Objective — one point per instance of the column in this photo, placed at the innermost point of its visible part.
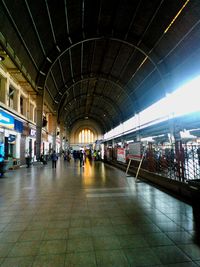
(61, 137)
(53, 129)
(39, 119)
(4, 90)
(16, 100)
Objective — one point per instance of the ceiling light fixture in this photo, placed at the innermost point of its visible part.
(2, 58)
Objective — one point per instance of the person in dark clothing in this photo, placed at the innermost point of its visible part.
(198, 155)
(81, 157)
(54, 159)
(28, 159)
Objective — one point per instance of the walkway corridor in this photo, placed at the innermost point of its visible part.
(91, 217)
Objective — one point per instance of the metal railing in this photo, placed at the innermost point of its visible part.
(178, 161)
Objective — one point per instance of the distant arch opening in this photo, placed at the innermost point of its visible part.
(86, 136)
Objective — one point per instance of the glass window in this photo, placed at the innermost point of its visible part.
(21, 105)
(86, 136)
(31, 112)
(11, 97)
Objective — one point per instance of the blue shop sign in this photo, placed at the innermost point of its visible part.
(6, 120)
(18, 126)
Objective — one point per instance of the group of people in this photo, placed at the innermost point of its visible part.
(79, 155)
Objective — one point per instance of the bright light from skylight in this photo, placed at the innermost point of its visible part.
(184, 100)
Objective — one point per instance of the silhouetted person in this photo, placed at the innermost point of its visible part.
(54, 159)
(28, 159)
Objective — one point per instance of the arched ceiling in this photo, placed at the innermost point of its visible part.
(98, 59)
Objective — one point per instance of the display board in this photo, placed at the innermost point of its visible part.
(121, 155)
(134, 151)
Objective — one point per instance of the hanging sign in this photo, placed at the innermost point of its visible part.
(6, 120)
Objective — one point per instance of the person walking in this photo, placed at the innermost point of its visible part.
(28, 159)
(81, 157)
(54, 159)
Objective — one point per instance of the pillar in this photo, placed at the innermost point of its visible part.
(39, 119)
(62, 134)
(53, 129)
(4, 90)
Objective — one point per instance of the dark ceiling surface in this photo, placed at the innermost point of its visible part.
(103, 59)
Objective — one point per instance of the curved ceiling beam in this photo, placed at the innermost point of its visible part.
(97, 108)
(103, 98)
(93, 78)
(45, 70)
(74, 108)
(94, 117)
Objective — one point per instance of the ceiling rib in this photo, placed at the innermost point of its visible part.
(35, 28)
(132, 21)
(54, 81)
(71, 65)
(106, 99)
(99, 16)
(113, 39)
(99, 78)
(51, 24)
(20, 36)
(95, 117)
(96, 107)
(82, 16)
(67, 22)
(61, 70)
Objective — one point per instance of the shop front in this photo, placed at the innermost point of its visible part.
(31, 143)
(7, 135)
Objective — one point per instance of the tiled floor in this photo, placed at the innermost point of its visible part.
(92, 217)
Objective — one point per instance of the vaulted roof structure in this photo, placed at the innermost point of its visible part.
(102, 59)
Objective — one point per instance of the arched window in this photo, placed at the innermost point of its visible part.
(86, 136)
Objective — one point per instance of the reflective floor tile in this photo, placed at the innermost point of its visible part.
(49, 261)
(132, 241)
(142, 257)
(21, 249)
(157, 239)
(192, 250)
(170, 254)
(5, 249)
(79, 245)
(106, 242)
(111, 258)
(31, 235)
(10, 236)
(53, 247)
(85, 259)
(53, 234)
(180, 237)
(18, 262)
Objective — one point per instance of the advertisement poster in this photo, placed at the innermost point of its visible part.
(6, 120)
(135, 151)
(121, 156)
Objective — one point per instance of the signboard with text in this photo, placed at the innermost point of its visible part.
(6, 120)
(121, 155)
(134, 151)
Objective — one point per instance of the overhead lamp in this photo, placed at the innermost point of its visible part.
(2, 58)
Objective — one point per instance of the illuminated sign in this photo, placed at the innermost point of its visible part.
(11, 139)
(6, 120)
(32, 132)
